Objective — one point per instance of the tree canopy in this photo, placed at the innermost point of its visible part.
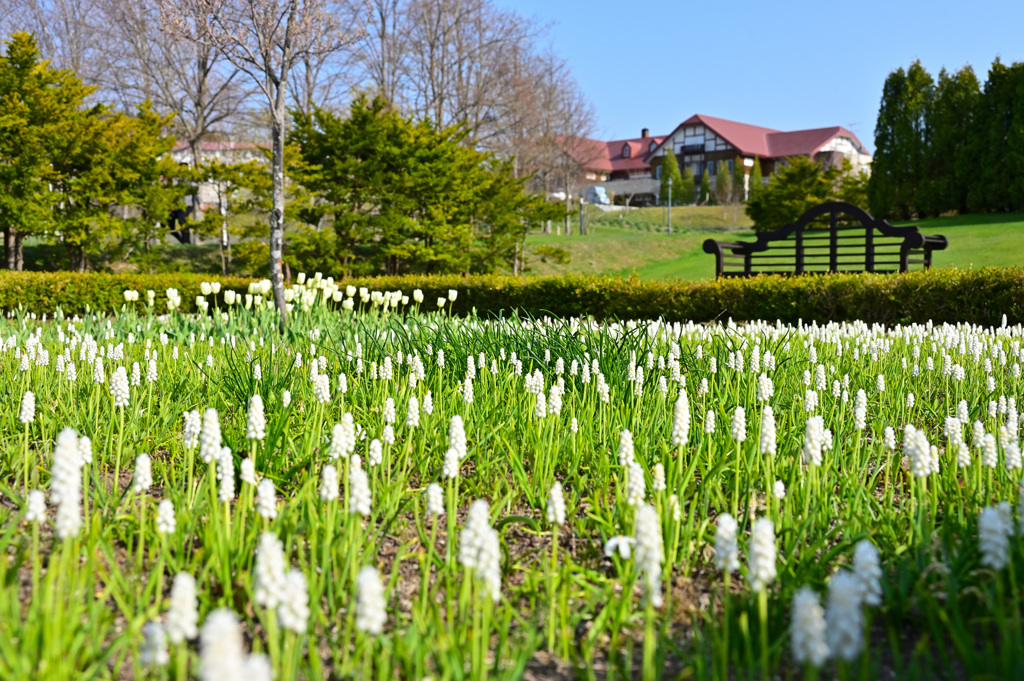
(407, 195)
(799, 185)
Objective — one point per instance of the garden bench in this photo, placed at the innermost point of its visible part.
(831, 237)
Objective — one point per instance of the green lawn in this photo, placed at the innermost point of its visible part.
(637, 242)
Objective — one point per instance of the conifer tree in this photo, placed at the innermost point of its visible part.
(705, 188)
(723, 183)
(670, 170)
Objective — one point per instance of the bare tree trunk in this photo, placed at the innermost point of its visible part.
(277, 215)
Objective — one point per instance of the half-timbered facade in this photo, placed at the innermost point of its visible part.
(703, 142)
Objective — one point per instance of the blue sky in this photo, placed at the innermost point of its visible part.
(785, 65)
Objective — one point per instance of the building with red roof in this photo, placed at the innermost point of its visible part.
(702, 142)
(632, 167)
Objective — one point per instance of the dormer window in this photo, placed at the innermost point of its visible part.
(651, 148)
(625, 151)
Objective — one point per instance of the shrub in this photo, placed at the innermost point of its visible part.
(979, 296)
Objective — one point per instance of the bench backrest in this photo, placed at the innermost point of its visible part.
(831, 237)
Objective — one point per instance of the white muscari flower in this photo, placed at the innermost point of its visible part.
(375, 452)
(210, 436)
(880, 383)
(35, 507)
(293, 610)
(814, 435)
(428, 404)
(621, 545)
(183, 613)
(28, 408)
(844, 617)
(808, 628)
(435, 500)
(226, 475)
(457, 437)
(739, 425)
(541, 406)
(412, 414)
(153, 651)
(635, 485)
(626, 450)
(286, 398)
(761, 566)
(119, 389)
(709, 423)
(66, 484)
(329, 483)
(165, 521)
(266, 499)
(247, 471)
(371, 609)
(450, 467)
(990, 451)
(322, 388)
(658, 478)
(269, 587)
(221, 657)
(860, 410)
(994, 538)
(360, 500)
(142, 479)
(256, 422)
(890, 438)
(556, 505)
(779, 490)
(768, 443)
(681, 420)
(868, 571)
(727, 553)
(190, 433)
(649, 551)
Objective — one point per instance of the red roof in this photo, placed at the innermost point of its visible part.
(753, 140)
(608, 157)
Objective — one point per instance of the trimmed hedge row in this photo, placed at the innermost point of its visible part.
(979, 296)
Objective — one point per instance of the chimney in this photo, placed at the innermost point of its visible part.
(644, 133)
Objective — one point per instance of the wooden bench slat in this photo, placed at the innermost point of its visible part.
(830, 237)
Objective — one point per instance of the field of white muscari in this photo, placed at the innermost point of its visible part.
(385, 491)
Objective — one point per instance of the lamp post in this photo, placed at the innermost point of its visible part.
(581, 215)
(670, 204)
(748, 163)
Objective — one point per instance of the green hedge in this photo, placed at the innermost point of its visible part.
(979, 296)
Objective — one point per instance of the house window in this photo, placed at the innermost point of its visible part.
(625, 151)
(711, 167)
(657, 174)
(651, 148)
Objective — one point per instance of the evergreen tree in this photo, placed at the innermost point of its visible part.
(901, 142)
(723, 184)
(670, 170)
(409, 196)
(756, 180)
(998, 141)
(738, 170)
(687, 189)
(800, 185)
(705, 188)
(950, 165)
